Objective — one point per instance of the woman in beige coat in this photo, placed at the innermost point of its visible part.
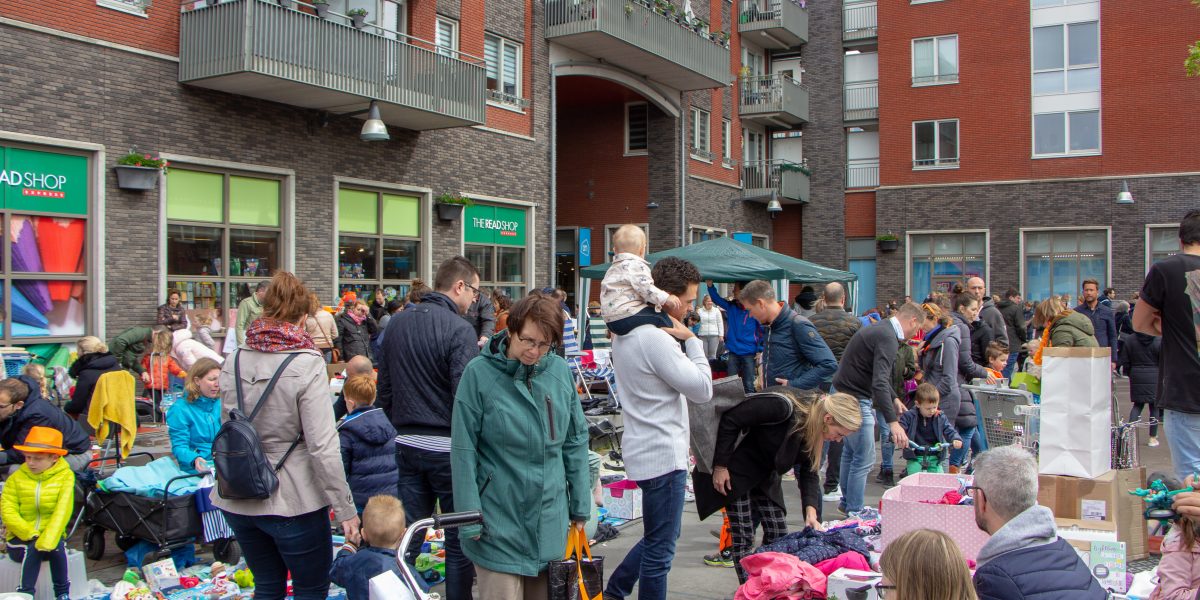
(289, 531)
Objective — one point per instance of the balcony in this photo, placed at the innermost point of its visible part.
(781, 179)
(860, 22)
(774, 100)
(861, 100)
(862, 173)
(773, 24)
(651, 39)
(264, 50)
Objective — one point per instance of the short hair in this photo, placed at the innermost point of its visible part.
(287, 298)
(503, 302)
(629, 238)
(262, 285)
(452, 271)
(1008, 476)
(174, 293)
(197, 372)
(383, 521)
(910, 310)
(995, 350)
(1089, 281)
(927, 392)
(834, 293)
(203, 318)
(673, 275)
(1189, 228)
(14, 390)
(360, 389)
(359, 365)
(89, 344)
(964, 300)
(1011, 293)
(757, 290)
(541, 310)
(394, 305)
(1110, 290)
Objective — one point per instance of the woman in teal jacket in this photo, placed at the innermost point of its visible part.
(519, 453)
(193, 424)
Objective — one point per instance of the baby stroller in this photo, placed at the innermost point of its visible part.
(167, 522)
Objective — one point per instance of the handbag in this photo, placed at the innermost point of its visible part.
(576, 577)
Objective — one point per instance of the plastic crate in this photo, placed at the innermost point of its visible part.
(15, 359)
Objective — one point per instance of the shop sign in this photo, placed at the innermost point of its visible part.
(585, 246)
(43, 181)
(486, 224)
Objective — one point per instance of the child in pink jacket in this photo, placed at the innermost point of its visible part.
(1179, 569)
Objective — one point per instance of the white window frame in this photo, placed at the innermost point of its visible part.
(699, 145)
(727, 143)
(610, 229)
(499, 97)
(937, 78)
(1067, 152)
(637, 151)
(450, 50)
(1066, 59)
(694, 230)
(1023, 231)
(136, 8)
(908, 235)
(1152, 227)
(766, 240)
(938, 163)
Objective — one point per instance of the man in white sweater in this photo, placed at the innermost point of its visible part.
(658, 370)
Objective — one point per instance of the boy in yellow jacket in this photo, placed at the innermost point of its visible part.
(35, 506)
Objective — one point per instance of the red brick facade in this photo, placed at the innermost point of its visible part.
(860, 214)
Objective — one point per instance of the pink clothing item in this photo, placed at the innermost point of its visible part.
(1179, 569)
(627, 288)
(773, 575)
(848, 560)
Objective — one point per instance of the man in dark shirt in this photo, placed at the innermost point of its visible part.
(836, 327)
(866, 373)
(1169, 305)
(1101, 315)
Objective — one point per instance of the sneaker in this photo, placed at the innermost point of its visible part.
(885, 478)
(720, 559)
(1152, 442)
(788, 476)
(688, 496)
(832, 495)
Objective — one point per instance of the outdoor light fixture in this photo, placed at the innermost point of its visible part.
(651, 204)
(1124, 197)
(374, 130)
(774, 207)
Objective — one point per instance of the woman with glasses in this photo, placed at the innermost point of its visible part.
(519, 453)
(924, 565)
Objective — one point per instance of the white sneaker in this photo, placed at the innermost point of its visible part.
(689, 497)
(833, 496)
(1153, 442)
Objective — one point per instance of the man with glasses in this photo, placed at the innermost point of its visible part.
(22, 408)
(1024, 558)
(421, 360)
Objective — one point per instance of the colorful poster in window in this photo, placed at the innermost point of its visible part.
(487, 224)
(43, 181)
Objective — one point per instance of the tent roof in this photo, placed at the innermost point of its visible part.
(727, 260)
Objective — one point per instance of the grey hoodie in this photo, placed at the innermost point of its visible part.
(1034, 527)
(992, 316)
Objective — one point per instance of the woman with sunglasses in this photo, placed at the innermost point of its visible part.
(784, 428)
(519, 453)
(924, 565)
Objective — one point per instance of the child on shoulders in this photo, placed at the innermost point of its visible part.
(628, 296)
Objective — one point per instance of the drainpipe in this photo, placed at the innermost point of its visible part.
(683, 167)
(553, 176)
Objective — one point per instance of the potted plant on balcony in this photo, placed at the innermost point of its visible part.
(138, 171)
(450, 207)
(322, 7)
(358, 17)
(888, 242)
(700, 26)
(287, 3)
(660, 6)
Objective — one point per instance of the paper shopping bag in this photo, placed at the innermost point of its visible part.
(579, 575)
(1076, 412)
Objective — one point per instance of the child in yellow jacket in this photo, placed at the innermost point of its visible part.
(35, 507)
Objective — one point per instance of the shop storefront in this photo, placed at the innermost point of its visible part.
(496, 241)
(380, 241)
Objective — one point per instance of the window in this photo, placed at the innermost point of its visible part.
(935, 60)
(133, 7)
(727, 142)
(700, 123)
(1066, 133)
(935, 144)
(224, 235)
(1048, 3)
(447, 37)
(379, 241)
(760, 241)
(938, 261)
(1161, 242)
(753, 62)
(637, 125)
(754, 146)
(502, 62)
(494, 241)
(390, 16)
(1066, 58)
(703, 234)
(1057, 261)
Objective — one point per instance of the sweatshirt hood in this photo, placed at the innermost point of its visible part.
(1005, 303)
(940, 337)
(987, 302)
(1076, 320)
(98, 360)
(369, 424)
(1034, 527)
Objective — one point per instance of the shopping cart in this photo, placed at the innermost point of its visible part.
(1008, 417)
(442, 521)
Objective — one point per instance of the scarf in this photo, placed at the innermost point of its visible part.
(1037, 357)
(272, 335)
(354, 316)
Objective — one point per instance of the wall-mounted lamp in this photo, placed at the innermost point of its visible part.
(651, 204)
(1124, 197)
(774, 207)
(374, 130)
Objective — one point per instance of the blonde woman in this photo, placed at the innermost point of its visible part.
(784, 428)
(1062, 328)
(925, 565)
(94, 360)
(321, 328)
(193, 424)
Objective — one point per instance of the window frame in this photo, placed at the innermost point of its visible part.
(610, 229)
(933, 233)
(701, 123)
(938, 162)
(629, 107)
(379, 237)
(937, 78)
(452, 49)
(1067, 67)
(727, 143)
(1149, 250)
(1067, 151)
(1023, 232)
(701, 231)
(499, 97)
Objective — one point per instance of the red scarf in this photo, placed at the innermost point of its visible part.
(272, 335)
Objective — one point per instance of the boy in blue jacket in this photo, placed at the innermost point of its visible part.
(368, 449)
(927, 427)
(359, 561)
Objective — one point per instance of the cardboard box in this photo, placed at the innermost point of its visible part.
(1105, 498)
(849, 579)
(904, 508)
(623, 499)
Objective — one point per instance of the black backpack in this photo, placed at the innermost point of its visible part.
(242, 469)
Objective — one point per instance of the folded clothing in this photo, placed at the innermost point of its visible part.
(151, 479)
(812, 546)
(774, 576)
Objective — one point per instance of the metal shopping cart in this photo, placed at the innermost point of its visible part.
(407, 582)
(1008, 417)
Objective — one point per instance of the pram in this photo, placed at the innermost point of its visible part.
(168, 522)
(408, 579)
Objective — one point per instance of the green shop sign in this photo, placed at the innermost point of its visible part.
(43, 181)
(486, 224)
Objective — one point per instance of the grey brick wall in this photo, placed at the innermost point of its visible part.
(664, 179)
(825, 138)
(74, 90)
(1004, 209)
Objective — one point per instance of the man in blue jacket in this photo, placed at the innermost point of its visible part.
(794, 353)
(1103, 319)
(743, 338)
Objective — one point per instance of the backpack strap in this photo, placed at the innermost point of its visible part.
(237, 372)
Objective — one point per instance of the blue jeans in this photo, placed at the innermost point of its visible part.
(649, 561)
(31, 559)
(275, 545)
(1183, 438)
(1011, 364)
(858, 456)
(886, 447)
(958, 456)
(424, 480)
(744, 367)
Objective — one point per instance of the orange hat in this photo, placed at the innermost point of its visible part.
(45, 440)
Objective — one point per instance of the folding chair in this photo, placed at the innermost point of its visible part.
(103, 407)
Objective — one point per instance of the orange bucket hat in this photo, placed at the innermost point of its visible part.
(46, 440)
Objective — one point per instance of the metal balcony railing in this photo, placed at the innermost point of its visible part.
(861, 100)
(936, 163)
(784, 23)
(775, 177)
(862, 173)
(775, 95)
(860, 21)
(938, 78)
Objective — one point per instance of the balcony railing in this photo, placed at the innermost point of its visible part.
(934, 79)
(774, 24)
(862, 173)
(861, 100)
(774, 99)
(652, 38)
(289, 55)
(783, 179)
(936, 163)
(860, 21)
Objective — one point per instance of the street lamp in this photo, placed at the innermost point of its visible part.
(374, 129)
(1124, 197)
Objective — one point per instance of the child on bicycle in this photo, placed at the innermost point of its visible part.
(929, 432)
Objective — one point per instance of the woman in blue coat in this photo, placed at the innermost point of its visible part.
(193, 424)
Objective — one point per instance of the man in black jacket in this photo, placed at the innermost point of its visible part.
(22, 408)
(1014, 323)
(836, 327)
(424, 352)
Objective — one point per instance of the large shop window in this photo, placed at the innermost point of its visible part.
(495, 241)
(379, 241)
(223, 236)
(940, 260)
(43, 274)
(1057, 261)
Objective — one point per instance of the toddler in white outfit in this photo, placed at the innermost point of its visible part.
(628, 296)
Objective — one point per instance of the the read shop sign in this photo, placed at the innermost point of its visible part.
(43, 181)
(487, 224)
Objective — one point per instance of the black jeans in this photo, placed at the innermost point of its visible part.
(424, 480)
(274, 545)
(31, 565)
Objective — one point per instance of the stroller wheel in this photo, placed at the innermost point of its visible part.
(227, 551)
(125, 542)
(93, 543)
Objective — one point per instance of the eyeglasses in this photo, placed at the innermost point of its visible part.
(542, 347)
(474, 289)
(972, 491)
(862, 593)
(881, 589)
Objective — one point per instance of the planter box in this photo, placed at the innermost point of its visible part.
(889, 245)
(450, 212)
(136, 178)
